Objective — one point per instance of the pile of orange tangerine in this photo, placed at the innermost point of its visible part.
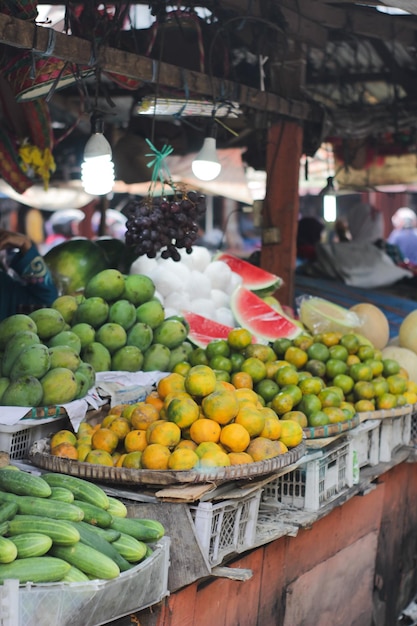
(255, 408)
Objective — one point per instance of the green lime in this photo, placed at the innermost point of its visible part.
(318, 418)
(376, 366)
(282, 403)
(316, 367)
(222, 375)
(255, 368)
(335, 367)
(350, 342)
(294, 391)
(303, 375)
(281, 345)
(380, 386)
(236, 359)
(329, 397)
(267, 389)
(286, 375)
(391, 367)
(364, 390)
(366, 352)
(360, 371)
(219, 362)
(338, 352)
(303, 341)
(318, 351)
(217, 347)
(312, 385)
(309, 403)
(345, 382)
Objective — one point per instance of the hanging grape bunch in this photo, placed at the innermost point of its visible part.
(164, 224)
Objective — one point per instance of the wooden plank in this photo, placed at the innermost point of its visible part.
(21, 34)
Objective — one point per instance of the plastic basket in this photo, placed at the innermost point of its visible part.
(87, 603)
(365, 442)
(18, 438)
(394, 433)
(413, 426)
(316, 482)
(226, 527)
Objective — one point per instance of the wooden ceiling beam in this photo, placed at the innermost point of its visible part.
(21, 34)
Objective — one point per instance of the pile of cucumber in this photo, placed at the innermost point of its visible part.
(56, 527)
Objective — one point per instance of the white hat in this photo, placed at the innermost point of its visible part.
(404, 218)
(63, 216)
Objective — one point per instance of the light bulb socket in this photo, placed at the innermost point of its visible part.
(97, 123)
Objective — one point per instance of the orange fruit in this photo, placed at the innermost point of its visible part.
(244, 394)
(234, 437)
(154, 398)
(272, 428)
(329, 397)
(171, 383)
(386, 401)
(119, 462)
(120, 426)
(239, 458)
(63, 436)
(183, 412)
(396, 384)
(271, 368)
(360, 371)
(207, 446)
(262, 448)
(260, 351)
(220, 406)
(166, 434)
(182, 367)
(65, 449)
(200, 381)
(183, 459)
(104, 439)
(364, 390)
(296, 416)
(99, 457)
(410, 396)
(155, 456)
(84, 428)
(296, 356)
(82, 451)
(205, 429)
(267, 411)
(267, 389)
(294, 391)
(309, 403)
(255, 368)
(186, 443)
(282, 403)
(303, 341)
(362, 406)
(214, 459)
(110, 417)
(352, 359)
(131, 460)
(335, 414)
(291, 433)
(331, 338)
(128, 410)
(217, 347)
(318, 418)
(252, 419)
(118, 409)
(135, 441)
(313, 385)
(143, 415)
(239, 338)
(224, 385)
(241, 380)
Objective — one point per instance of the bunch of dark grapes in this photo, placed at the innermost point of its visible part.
(165, 225)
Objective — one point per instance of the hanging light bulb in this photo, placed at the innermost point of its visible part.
(206, 165)
(329, 201)
(97, 169)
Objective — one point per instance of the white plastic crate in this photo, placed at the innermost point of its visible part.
(17, 439)
(316, 482)
(226, 527)
(87, 603)
(365, 442)
(394, 433)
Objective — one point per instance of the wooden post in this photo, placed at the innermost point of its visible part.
(281, 205)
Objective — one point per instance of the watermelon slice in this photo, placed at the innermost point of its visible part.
(202, 330)
(254, 278)
(253, 313)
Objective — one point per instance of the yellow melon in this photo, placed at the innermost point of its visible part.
(405, 357)
(374, 324)
(407, 335)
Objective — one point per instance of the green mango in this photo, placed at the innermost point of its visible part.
(12, 325)
(21, 340)
(49, 322)
(32, 361)
(64, 356)
(59, 386)
(26, 391)
(156, 358)
(98, 356)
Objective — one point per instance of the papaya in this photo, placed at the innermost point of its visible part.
(127, 359)
(26, 391)
(64, 356)
(12, 325)
(21, 340)
(4, 383)
(93, 311)
(123, 312)
(171, 333)
(49, 322)
(66, 338)
(66, 305)
(32, 361)
(156, 358)
(59, 386)
(140, 335)
(88, 371)
(98, 356)
(138, 289)
(108, 284)
(112, 336)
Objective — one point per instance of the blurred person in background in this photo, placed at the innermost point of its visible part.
(115, 225)
(309, 233)
(62, 226)
(365, 223)
(25, 280)
(404, 235)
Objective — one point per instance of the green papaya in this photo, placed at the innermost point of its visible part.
(49, 322)
(12, 325)
(59, 386)
(26, 391)
(21, 340)
(32, 361)
(64, 356)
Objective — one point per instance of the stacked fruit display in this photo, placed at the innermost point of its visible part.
(63, 528)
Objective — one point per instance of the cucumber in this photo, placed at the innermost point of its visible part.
(4, 527)
(82, 489)
(135, 528)
(109, 534)
(31, 544)
(7, 511)
(92, 539)
(44, 507)
(75, 575)
(130, 548)
(153, 524)
(8, 551)
(88, 560)
(149, 551)
(37, 569)
(23, 483)
(117, 508)
(94, 515)
(62, 494)
(60, 531)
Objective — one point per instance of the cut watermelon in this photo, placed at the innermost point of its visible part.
(202, 330)
(251, 312)
(254, 278)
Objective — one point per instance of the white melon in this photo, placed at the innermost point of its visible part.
(405, 357)
(373, 325)
(408, 332)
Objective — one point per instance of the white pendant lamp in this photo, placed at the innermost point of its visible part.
(97, 170)
(206, 165)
